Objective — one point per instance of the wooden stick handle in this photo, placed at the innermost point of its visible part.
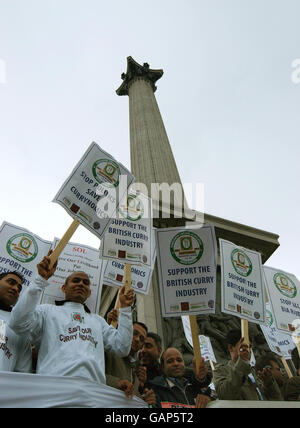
(195, 338)
(245, 331)
(127, 283)
(212, 365)
(117, 306)
(127, 276)
(286, 366)
(63, 242)
(298, 347)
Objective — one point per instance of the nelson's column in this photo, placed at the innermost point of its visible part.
(152, 161)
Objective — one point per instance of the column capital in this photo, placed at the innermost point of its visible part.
(137, 71)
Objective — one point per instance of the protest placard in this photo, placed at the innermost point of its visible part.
(280, 343)
(21, 250)
(140, 276)
(207, 351)
(187, 270)
(284, 294)
(242, 286)
(129, 236)
(187, 263)
(76, 257)
(92, 192)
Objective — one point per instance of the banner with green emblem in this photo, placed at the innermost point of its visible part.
(187, 268)
(129, 237)
(92, 192)
(284, 293)
(242, 285)
(280, 343)
(21, 250)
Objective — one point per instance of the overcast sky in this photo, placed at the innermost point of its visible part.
(229, 104)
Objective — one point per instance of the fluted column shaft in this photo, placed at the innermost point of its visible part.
(152, 160)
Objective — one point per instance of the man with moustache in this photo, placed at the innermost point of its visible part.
(15, 351)
(236, 380)
(173, 390)
(70, 340)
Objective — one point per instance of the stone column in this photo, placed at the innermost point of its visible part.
(152, 161)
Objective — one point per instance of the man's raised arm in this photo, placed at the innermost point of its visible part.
(119, 340)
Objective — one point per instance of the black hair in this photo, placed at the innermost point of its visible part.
(142, 325)
(155, 337)
(4, 274)
(233, 336)
(265, 360)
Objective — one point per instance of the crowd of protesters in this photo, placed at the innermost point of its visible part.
(66, 339)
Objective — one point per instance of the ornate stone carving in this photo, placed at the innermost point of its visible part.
(135, 70)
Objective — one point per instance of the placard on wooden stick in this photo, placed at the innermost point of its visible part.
(195, 338)
(245, 331)
(127, 283)
(63, 242)
(286, 366)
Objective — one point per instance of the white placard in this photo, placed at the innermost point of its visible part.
(129, 237)
(76, 257)
(281, 344)
(252, 361)
(92, 192)
(21, 250)
(140, 276)
(187, 268)
(207, 351)
(284, 294)
(242, 286)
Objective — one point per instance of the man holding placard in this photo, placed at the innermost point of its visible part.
(15, 351)
(71, 340)
(235, 380)
(187, 270)
(269, 361)
(173, 389)
(289, 387)
(149, 355)
(120, 372)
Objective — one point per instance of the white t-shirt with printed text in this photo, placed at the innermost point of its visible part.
(15, 351)
(70, 341)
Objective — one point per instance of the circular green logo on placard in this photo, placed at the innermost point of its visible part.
(285, 285)
(269, 318)
(186, 248)
(22, 247)
(133, 209)
(106, 172)
(241, 262)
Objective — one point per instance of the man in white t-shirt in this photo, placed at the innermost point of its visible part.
(15, 351)
(71, 340)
